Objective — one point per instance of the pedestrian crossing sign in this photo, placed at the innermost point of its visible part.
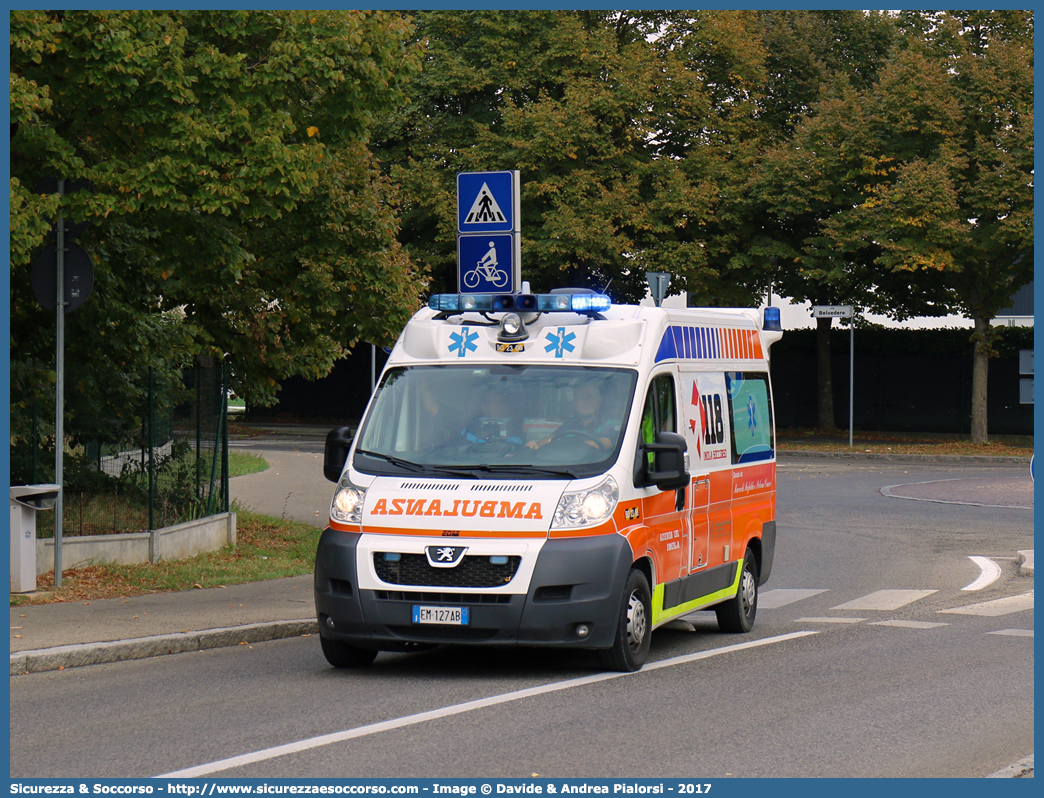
(487, 202)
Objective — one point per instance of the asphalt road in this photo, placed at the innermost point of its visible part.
(857, 666)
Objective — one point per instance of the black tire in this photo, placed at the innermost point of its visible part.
(633, 628)
(345, 655)
(737, 614)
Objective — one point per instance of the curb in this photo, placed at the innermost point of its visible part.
(923, 458)
(1023, 769)
(1026, 562)
(74, 656)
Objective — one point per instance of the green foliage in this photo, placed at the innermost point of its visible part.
(624, 141)
(236, 210)
(902, 195)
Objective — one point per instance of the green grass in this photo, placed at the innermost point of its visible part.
(241, 463)
(267, 548)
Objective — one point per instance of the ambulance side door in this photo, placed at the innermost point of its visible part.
(665, 511)
(706, 431)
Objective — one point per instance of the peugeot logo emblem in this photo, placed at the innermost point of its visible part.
(445, 556)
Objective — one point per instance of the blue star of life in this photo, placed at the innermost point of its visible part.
(561, 342)
(752, 415)
(463, 342)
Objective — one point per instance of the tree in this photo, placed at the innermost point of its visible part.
(615, 129)
(236, 209)
(913, 194)
(817, 62)
(950, 199)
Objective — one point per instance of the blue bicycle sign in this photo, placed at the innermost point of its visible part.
(486, 269)
(485, 263)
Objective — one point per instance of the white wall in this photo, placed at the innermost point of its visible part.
(799, 316)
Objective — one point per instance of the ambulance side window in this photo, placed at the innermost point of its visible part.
(750, 416)
(664, 387)
(658, 415)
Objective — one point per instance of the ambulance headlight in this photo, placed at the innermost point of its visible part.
(587, 507)
(347, 504)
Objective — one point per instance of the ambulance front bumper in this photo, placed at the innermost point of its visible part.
(574, 583)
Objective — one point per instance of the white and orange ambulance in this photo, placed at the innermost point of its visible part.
(552, 470)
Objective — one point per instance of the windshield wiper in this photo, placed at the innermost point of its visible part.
(409, 465)
(521, 468)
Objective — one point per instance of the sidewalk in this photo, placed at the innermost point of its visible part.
(70, 634)
(54, 636)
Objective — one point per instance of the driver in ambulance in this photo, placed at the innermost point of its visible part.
(588, 423)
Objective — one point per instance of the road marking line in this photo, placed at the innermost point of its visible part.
(990, 573)
(908, 624)
(885, 600)
(1013, 632)
(780, 597)
(830, 620)
(991, 609)
(457, 709)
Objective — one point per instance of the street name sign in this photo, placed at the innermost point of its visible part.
(832, 311)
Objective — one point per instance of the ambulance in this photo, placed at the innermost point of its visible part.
(552, 470)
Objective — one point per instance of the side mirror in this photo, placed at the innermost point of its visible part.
(669, 471)
(335, 454)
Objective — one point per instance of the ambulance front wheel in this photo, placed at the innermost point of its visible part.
(345, 655)
(634, 627)
(737, 614)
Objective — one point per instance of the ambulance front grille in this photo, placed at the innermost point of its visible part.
(430, 597)
(443, 634)
(472, 572)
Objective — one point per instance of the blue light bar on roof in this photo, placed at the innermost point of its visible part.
(771, 320)
(589, 303)
(541, 303)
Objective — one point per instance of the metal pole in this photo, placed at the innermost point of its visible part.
(224, 437)
(59, 393)
(36, 429)
(851, 375)
(152, 447)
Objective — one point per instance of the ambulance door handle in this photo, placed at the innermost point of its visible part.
(704, 480)
(679, 500)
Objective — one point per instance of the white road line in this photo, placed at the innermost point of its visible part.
(830, 620)
(990, 573)
(908, 624)
(1013, 632)
(991, 609)
(780, 597)
(885, 600)
(457, 709)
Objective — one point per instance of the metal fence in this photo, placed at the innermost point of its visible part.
(163, 466)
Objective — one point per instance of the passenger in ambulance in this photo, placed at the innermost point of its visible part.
(495, 420)
(589, 423)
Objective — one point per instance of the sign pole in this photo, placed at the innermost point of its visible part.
(851, 376)
(843, 312)
(59, 394)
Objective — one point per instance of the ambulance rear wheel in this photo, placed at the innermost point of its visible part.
(634, 627)
(345, 655)
(737, 614)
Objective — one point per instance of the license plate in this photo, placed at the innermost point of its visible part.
(449, 616)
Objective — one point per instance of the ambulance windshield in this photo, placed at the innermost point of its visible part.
(538, 421)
